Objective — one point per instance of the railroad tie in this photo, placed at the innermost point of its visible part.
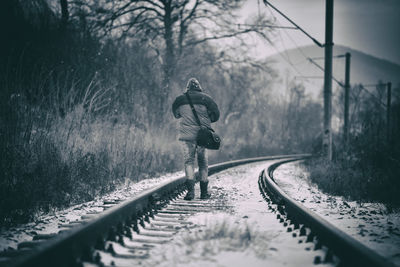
(155, 233)
(164, 215)
(150, 240)
(11, 253)
(180, 221)
(30, 244)
(122, 252)
(165, 211)
(44, 236)
(89, 216)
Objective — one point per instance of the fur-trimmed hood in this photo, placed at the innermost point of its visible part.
(199, 98)
(193, 85)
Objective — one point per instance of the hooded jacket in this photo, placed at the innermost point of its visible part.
(207, 111)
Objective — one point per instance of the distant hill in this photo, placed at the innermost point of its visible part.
(365, 69)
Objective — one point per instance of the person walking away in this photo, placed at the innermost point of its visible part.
(208, 112)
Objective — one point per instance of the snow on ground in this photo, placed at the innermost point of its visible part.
(246, 233)
(50, 223)
(369, 223)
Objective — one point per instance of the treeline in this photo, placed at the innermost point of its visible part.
(367, 166)
(86, 89)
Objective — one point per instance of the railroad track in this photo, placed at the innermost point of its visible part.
(124, 230)
(340, 247)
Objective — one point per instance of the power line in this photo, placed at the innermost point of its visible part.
(327, 136)
(374, 96)
(267, 25)
(280, 53)
(321, 68)
(280, 36)
(298, 48)
(321, 58)
(309, 58)
(292, 22)
(293, 41)
(287, 59)
(362, 87)
(296, 45)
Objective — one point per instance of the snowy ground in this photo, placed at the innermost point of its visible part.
(245, 233)
(53, 222)
(370, 223)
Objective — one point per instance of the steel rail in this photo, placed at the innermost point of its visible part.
(76, 245)
(350, 251)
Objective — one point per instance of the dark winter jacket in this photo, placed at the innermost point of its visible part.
(207, 111)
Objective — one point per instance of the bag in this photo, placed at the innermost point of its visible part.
(206, 137)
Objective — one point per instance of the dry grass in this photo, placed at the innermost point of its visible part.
(51, 160)
(225, 235)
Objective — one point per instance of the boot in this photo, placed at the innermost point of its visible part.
(190, 188)
(203, 188)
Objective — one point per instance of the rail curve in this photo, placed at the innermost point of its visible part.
(294, 215)
(75, 246)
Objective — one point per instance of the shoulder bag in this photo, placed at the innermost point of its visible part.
(206, 137)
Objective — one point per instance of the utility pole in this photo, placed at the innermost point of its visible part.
(327, 134)
(327, 131)
(388, 110)
(346, 99)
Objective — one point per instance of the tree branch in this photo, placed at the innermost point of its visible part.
(224, 36)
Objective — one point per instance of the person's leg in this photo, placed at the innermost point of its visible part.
(203, 172)
(189, 156)
(202, 161)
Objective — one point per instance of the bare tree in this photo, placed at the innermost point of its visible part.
(170, 26)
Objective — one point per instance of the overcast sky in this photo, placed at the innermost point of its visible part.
(371, 26)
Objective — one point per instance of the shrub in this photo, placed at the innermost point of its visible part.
(357, 178)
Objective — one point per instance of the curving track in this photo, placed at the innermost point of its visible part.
(295, 216)
(128, 230)
(114, 227)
